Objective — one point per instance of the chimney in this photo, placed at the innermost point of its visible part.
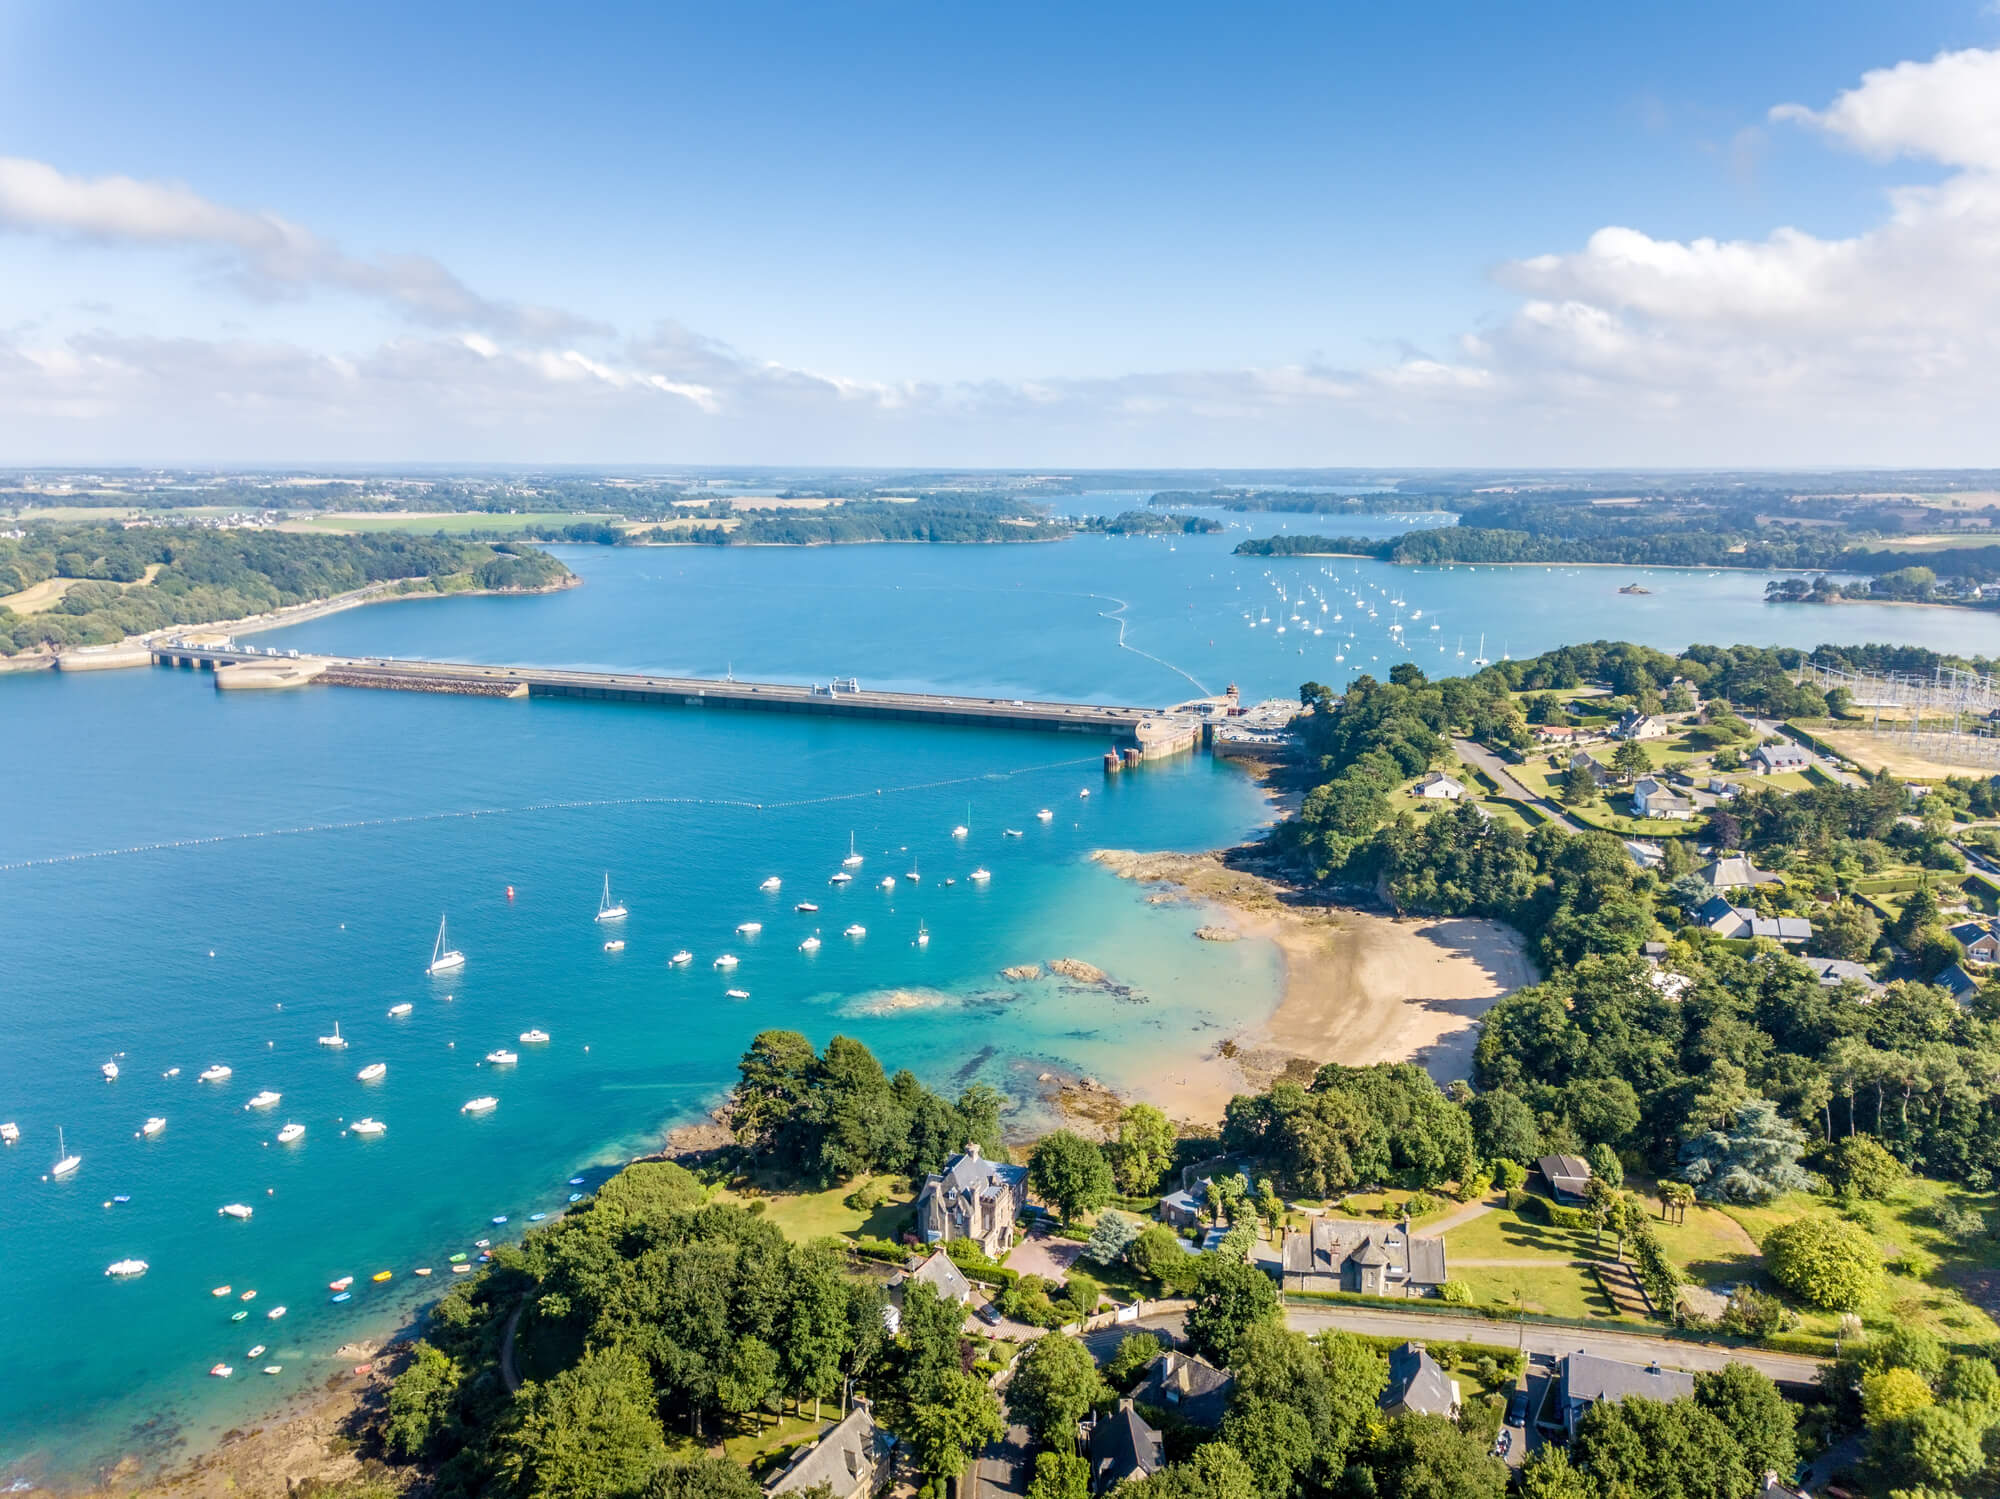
(972, 1149)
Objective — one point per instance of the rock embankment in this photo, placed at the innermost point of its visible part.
(1022, 973)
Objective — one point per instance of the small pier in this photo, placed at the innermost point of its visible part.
(1153, 732)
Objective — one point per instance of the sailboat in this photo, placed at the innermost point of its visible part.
(337, 1041)
(444, 957)
(914, 875)
(66, 1163)
(606, 910)
(1480, 659)
(853, 859)
(923, 935)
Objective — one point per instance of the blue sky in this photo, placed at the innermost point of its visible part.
(1017, 235)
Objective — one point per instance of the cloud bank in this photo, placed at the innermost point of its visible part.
(1880, 347)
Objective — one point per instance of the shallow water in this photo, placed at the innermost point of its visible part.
(310, 841)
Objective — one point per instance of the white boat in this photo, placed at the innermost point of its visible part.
(1045, 815)
(915, 874)
(444, 957)
(811, 944)
(337, 1041)
(10, 1133)
(964, 827)
(125, 1269)
(841, 877)
(981, 875)
(151, 1128)
(368, 1127)
(727, 960)
(264, 1100)
(923, 935)
(221, 1291)
(857, 930)
(372, 1072)
(1084, 794)
(239, 1211)
(607, 909)
(503, 1057)
(773, 883)
(736, 994)
(171, 1072)
(616, 944)
(853, 859)
(291, 1134)
(256, 1352)
(220, 1371)
(274, 1368)
(397, 1012)
(1010, 832)
(683, 956)
(275, 1313)
(110, 1071)
(749, 928)
(534, 1038)
(806, 905)
(66, 1163)
(479, 1106)
(216, 1074)
(888, 882)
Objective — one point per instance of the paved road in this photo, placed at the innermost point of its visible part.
(1537, 1338)
(1003, 1468)
(1484, 759)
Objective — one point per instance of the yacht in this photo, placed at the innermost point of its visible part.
(923, 935)
(853, 859)
(479, 1106)
(10, 1133)
(110, 1071)
(171, 1072)
(980, 876)
(727, 960)
(152, 1127)
(1045, 815)
(534, 1038)
(372, 1072)
(888, 882)
(503, 1057)
(66, 1163)
(337, 1041)
(749, 928)
(240, 1213)
(736, 994)
(216, 1074)
(840, 878)
(773, 883)
(806, 905)
(616, 944)
(915, 874)
(857, 930)
(368, 1127)
(444, 957)
(125, 1269)
(263, 1100)
(291, 1134)
(397, 1012)
(811, 944)
(607, 909)
(681, 958)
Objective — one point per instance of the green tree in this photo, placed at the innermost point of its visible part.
(1824, 1261)
(1428, 1457)
(1230, 1297)
(1142, 1149)
(701, 1478)
(1764, 1425)
(1579, 786)
(1215, 1470)
(1605, 1165)
(1159, 1255)
(1547, 1474)
(1630, 759)
(749, 1379)
(1859, 1167)
(1054, 1384)
(1649, 1449)
(1112, 1234)
(588, 1433)
(1935, 1445)
(420, 1403)
(1893, 1393)
(928, 1341)
(1275, 1439)
(816, 1326)
(1059, 1475)
(1135, 1355)
(1753, 1158)
(1069, 1173)
(956, 1418)
(1503, 1127)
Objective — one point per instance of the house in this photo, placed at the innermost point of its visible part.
(1771, 759)
(1790, 930)
(1978, 939)
(1736, 872)
(1566, 1176)
(1417, 1382)
(1636, 725)
(1726, 920)
(1183, 1209)
(1375, 1259)
(1585, 760)
(1190, 1387)
(850, 1458)
(1562, 733)
(1961, 985)
(1833, 972)
(973, 1198)
(1122, 1447)
(1652, 798)
(1586, 1379)
(939, 1273)
(1436, 786)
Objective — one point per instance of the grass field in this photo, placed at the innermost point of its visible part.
(452, 523)
(803, 1216)
(36, 598)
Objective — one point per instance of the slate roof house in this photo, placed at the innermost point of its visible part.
(1123, 1446)
(1585, 760)
(1375, 1259)
(1979, 941)
(1191, 1387)
(1726, 920)
(1586, 1379)
(973, 1198)
(1182, 1209)
(1773, 758)
(1833, 972)
(1652, 797)
(1565, 1175)
(1636, 725)
(1735, 872)
(1418, 1383)
(851, 1458)
(1437, 786)
(1961, 985)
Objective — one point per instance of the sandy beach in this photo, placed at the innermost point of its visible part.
(1359, 987)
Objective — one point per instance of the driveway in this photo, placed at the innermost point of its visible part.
(1479, 756)
(1049, 1258)
(1005, 1467)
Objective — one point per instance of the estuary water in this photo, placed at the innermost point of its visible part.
(190, 878)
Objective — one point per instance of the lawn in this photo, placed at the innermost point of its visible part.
(453, 523)
(1504, 1235)
(1560, 1291)
(764, 1448)
(803, 1216)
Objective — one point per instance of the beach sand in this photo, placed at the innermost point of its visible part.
(1359, 987)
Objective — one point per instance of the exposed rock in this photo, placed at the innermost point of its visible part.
(1077, 969)
(1217, 934)
(1022, 972)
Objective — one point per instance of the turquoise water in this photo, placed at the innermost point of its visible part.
(309, 842)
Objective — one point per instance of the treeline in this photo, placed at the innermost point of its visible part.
(205, 575)
(1305, 502)
(1144, 523)
(953, 519)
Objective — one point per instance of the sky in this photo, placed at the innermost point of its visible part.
(1063, 236)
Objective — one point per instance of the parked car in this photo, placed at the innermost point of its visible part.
(1517, 1409)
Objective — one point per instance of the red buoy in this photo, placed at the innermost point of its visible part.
(510, 892)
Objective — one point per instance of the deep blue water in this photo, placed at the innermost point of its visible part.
(317, 836)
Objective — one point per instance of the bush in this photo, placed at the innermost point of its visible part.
(1752, 1313)
(1824, 1261)
(1510, 1174)
(1517, 1199)
(867, 1196)
(1455, 1292)
(1538, 1209)
(1421, 1205)
(1571, 1218)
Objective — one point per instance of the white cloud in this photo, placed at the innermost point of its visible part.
(1947, 109)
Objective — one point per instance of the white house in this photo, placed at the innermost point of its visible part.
(1637, 725)
(1437, 786)
(1771, 759)
(1652, 797)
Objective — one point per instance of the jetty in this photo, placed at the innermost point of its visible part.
(1154, 732)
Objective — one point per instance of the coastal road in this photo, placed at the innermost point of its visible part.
(1482, 758)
